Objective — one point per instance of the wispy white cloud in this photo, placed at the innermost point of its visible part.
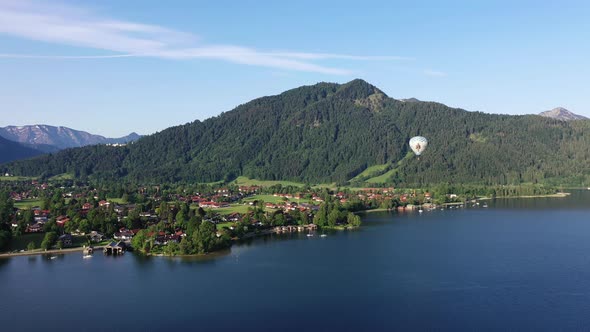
(322, 56)
(434, 73)
(63, 57)
(72, 26)
(78, 27)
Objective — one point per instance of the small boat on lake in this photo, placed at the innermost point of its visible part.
(52, 257)
(323, 235)
(87, 251)
(87, 256)
(310, 234)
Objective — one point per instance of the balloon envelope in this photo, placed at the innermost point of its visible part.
(418, 144)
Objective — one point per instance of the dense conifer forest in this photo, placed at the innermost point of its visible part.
(10, 150)
(331, 133)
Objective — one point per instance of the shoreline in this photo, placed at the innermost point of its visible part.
(248, 236)
(373, 210)
(556, 195)
(266, 232)
(45, 252)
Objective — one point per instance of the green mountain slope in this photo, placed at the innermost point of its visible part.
(331, 133)
(10, 150)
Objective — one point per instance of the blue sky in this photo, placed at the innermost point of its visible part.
(112, 67)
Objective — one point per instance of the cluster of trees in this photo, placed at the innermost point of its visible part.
(333, 214)
(173, 213)
(6, 210)
(466, 191)
(332, 218)
(201, 237)
(49, 240)
(331, 133)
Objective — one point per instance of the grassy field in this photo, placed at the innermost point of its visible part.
(79, 241)
(21, 242)
(28, 203)
(386, 177)
(16, 178)
(266, 199)
(383, 178)
(215, 183)
(371, 171)
(244, 181)
(116, 200)
(240, 208)
(221, 225)
(325, 185)
(64, 176)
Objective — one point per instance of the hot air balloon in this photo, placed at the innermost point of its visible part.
(418, 144)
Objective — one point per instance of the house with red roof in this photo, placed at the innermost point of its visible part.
(62, 220)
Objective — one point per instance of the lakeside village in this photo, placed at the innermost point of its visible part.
(184, 220)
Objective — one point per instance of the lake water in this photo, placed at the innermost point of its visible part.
(520, 264)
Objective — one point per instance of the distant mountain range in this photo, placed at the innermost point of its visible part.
(349, 133)
(22, 142)
(561, 113)
(50, 138)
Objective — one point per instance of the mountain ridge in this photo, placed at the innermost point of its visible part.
(330, 132)
(10, 151)
(58, 136)
(560, 113)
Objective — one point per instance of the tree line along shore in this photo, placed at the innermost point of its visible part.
(199, 218)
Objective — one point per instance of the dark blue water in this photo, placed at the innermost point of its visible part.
(516, 265)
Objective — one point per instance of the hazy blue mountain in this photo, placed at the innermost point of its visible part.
(42, 137)
(10, 150)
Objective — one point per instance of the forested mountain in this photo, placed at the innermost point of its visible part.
(43, 136)
(10, 150)
(561, 113)
(330, 133)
